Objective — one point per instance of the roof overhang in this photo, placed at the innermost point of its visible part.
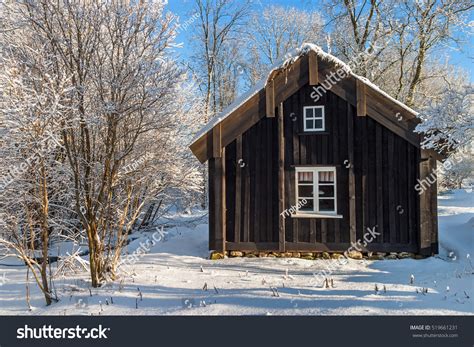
(309, 64)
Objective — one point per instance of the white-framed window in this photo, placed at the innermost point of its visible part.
(316, 190)
(313, 118)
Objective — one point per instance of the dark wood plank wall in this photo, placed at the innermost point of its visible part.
(382, 164)
(252, 187)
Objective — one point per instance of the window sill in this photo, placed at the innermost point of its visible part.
(313, 132)
(317, 215)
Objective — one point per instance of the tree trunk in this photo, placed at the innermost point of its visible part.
(45, 237)
(95, 257)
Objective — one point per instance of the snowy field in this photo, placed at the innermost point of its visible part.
(175, 278)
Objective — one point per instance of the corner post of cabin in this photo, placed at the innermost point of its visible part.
(428, 204)
(270, 98)
(361, 98)
(434, 209)
(313, 68)
(217, 203)
(281, 180)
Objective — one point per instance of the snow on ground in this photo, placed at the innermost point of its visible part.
(171, 279)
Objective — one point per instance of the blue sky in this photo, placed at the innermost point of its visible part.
(184, 9)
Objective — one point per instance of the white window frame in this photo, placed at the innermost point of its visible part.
(316, 212)
(314, 117)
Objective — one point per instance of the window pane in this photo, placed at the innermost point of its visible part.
(306, 205)
(318, 124)
(309, 113)
(305, 191)
(326, 205)
(309, 124)
(326, 191)
(305, 177)
(318, 112)
(326, 177)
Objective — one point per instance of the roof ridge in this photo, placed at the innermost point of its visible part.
(288, 59)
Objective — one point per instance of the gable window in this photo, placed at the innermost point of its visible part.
(313, 118)
(316, 191)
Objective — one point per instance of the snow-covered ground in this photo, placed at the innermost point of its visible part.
(171, 279)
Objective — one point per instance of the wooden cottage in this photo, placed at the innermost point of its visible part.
(310, 162)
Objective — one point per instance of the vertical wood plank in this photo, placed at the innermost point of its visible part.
(217, 203)
(313, 69)
(257, 186)
(338, 109)
(296, 105)
(365, 173)
(288, 135)
(361, 98)
(411, 195)
(426, 175)
(352, 180)
(392, 209)
(268, 179)
(240, 164)
(246, 188)
(324, 230)
(379, 180)
(403, 182)
(396, 187)
(270, 98)
(217, 141)
(281, 179)
(434, 210)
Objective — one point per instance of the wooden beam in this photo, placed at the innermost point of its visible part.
(281, 179)
(352, 180)
(217, 203)
(217, 141)
(317, 247)
(427, 215)
(361, 98)
(313, 69)
(434, 209)
(286, 84)
(252, 110)
(270, 98)
(238, 189)
(252, 246)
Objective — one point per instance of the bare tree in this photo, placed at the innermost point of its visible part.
(33, 178)
(275, 32)
(219, 23)
(431, 24)
(357, 30)
(126, 116)
(399, 39)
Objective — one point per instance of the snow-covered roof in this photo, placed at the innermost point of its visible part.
(287, 60)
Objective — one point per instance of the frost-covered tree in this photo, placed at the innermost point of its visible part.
(275, 32)
(448, 122)
(33, 179)
(458, 170)
(217, 29)
(125, 119)
(397, 42)
(358, 33)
